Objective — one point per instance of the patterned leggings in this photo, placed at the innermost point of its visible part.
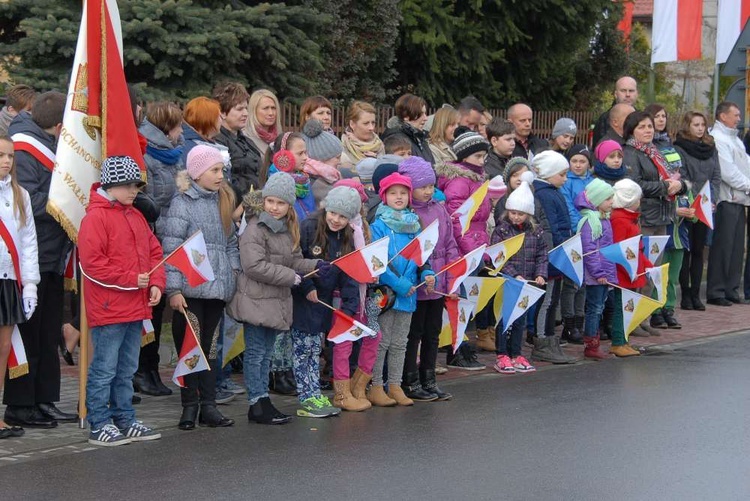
(306, 363)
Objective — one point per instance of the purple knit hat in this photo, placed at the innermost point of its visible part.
(418, 170)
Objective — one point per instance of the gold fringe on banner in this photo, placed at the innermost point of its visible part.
(70, 285)
(18, 371)
(59, 215)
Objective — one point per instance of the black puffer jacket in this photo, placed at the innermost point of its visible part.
(245, 159)
(418, 138)
(656, 207)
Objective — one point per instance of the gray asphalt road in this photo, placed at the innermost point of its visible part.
(665, 426)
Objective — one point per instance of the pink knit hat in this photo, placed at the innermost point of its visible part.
(497, 188)
(603, 149)
(393, 180)
(353, 183)
(201, 158)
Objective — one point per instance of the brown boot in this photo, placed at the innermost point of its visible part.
(484, 339)
(342, 397)
(397, 394)
(379, 398)
(359, 386)
(591, 349)
(624, 351)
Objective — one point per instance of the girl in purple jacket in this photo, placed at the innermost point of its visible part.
(419, 381)
(595, 204)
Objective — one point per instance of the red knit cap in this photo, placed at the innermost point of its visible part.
(392, 180)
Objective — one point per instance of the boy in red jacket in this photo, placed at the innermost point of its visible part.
(117, 249)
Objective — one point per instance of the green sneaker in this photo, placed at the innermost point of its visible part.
(317, 407)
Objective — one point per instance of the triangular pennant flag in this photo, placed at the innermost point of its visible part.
(502, 251)
(147, 332)
(625, 254)
(234, 340)
(659, 276)
(466, 211)
(420, 248)
(480, 290)
(192, 359)
(345, 328)
(191, 258)
(518, 297)
(456, 317)
(568, 258)
(18, 365)
(635, 309)
(366, 264)
(654, 246)
(704, 206)
(497, 305)
(463, 267)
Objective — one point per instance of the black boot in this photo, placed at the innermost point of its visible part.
(606, 324)
(290, 381)
(263, 412)
(686, 303)
(669, 318)
(160, 387)
(413, 389)
(142, 383)
(211, 417)
(429, 383)
(278, 383)
(657, 321)
(697, 303)
(570, 332)
(188, 417)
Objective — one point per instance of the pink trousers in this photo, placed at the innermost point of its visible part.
(368, 352)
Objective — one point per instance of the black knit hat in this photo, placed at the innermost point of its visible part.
(120, 170)
(384, 167)
(467, 144)
(578, 149)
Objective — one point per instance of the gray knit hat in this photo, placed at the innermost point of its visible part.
(365, 168)
(564, 126)
(120, 170)
(321, 145)
(280, 185)
(343, 200)
(514, 165)
(467, 144)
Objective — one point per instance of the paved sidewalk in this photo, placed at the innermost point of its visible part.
(163, 412)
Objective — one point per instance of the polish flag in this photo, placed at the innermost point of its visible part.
(192, 359)
(456, 317)
(18, 365)
(462, 268)
(345, 328)
(420, 249)
(732, 16)
(703, 206)
(191, 258)
(147, 332)
(367, 263)
(677, 30)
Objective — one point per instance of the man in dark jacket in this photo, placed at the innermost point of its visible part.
(30, 399)
(527, 144)
(617, 115)
(626, 92)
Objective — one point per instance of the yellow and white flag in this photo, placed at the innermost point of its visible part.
(466, 211)
(502, 251)
(234, 339)
(481, 290)
(635, 309)
(659, 276)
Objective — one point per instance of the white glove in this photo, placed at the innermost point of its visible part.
(29, 299)
(297, 279)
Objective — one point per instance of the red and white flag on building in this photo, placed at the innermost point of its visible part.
(420, 249)
(345, 328)
(367, 263)
(463, 267)
(192, 359)
(678, 30)
(98, 120)
(18, 365)
(731, 18)
(191, 258)
(704, 207)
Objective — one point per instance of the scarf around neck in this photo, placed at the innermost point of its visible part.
(165, 156)
(400, 221)
(594, 218)
(696, 149)
(267, 136)
(358, 149)
(653, 154)
(319, 169)
(601, 170)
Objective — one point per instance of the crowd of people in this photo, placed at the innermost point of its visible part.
(276, 208)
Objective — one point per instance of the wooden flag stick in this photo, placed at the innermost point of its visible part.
(327, 305)
(172, 253)
(83, 360)
(589, 253)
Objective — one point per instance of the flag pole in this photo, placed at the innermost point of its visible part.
(83, 359)
(565, 242)
(442, 271)
(327, 305)
(172, 253)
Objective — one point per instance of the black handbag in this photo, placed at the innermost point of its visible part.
(383, 296)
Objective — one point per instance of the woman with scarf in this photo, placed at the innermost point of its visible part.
(650, 170)
(264, 124)
(441, 136)
(700, 165)
(359, 140)
(411, 115)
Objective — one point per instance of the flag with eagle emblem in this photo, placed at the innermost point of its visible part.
(191, 258)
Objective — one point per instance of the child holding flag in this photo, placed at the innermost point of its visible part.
(117, 249)
(272, 264)
(529, 264)
(595, 205)
(419, 382)
(205, 203)
(396, 220)
(326, 234)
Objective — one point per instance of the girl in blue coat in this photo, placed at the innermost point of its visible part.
(396, 220)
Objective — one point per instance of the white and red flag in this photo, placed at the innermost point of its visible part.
(677, 30)
(191, 258)
(731, 18)
(345, 328)
(366, 264)
(18, 365)
(704, 207)
(420, 248)
(456, 317)
(192, 359)
(463, 267)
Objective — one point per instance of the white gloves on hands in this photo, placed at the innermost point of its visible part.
(29, 300)
(297, 279)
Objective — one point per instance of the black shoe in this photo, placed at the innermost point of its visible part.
(737, 300)
(672, 322)
(263, 412)
(657, 321)
(29, 417)
(466, 359)
(211, 417)
(136, 400)
(188, 417)
(278, 382)
(719, 301)
(429, 383)
(570, 332)
(64, 353)
(325, 385)
(413, 389)
(161, 388)
(49, 410)
(530, 338)
(142, 383)
(698, 305)
(291, 382)
(686, 303)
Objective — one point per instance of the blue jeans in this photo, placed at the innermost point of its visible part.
(109, 389)
(259, 343)
(596, 295)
